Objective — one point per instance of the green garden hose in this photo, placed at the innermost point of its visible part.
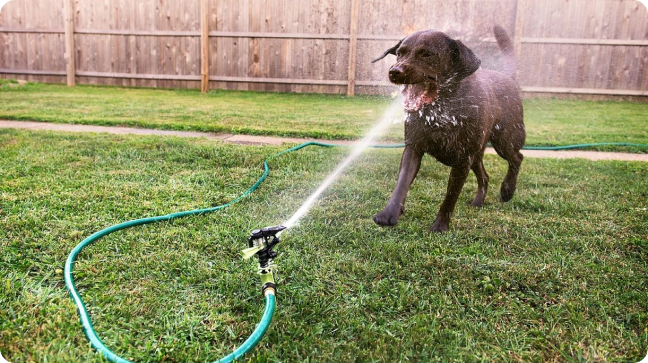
(270, 299)
(581, 146)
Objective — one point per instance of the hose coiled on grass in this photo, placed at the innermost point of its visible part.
(270, 299)
(86, 323)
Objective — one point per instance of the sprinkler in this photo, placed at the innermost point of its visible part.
(261, 244)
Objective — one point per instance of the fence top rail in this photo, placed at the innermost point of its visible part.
(326, 36)
(585, 41)
(32, 30)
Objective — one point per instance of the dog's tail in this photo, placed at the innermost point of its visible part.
(506, 45)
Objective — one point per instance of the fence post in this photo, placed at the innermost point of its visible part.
(353, 41)
(517, 35)
(69, 42)
(204, 45)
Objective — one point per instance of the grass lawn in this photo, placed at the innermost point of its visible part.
(557, 274)
(548, 122)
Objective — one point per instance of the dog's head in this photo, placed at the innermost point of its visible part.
(426, 62)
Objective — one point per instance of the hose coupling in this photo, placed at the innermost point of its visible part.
(269, 288)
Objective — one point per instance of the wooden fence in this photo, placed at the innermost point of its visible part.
(563, 46)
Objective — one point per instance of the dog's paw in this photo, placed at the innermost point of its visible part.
(385, 219)
(477, 203)
(440, 226)
(506, 193)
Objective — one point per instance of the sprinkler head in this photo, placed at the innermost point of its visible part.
(265, 233)
(261, 242)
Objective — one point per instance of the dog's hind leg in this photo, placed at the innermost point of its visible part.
(482, 181)
(510, 181)
(511, 153)
(507, 138)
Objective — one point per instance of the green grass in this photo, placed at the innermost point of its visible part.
(557, 274)
(7, 82)
(303, 115)
(548, 122)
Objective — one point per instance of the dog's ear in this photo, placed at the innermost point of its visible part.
(465, 62)
(391, 50)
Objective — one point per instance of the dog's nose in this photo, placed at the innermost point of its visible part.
(396, 72)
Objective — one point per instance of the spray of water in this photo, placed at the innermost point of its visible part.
(392, 113)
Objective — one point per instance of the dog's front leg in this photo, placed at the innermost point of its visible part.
(458, 176)
(409, 167)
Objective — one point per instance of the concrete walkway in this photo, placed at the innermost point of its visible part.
(269, 140)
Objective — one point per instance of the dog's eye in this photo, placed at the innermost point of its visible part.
(425, 54)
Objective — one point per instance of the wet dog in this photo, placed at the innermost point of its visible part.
(453, 109)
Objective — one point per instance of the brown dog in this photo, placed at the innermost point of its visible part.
(454, 108)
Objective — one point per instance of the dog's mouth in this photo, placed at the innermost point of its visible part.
(418, 95)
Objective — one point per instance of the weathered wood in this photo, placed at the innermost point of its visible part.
(151, 77)
(69, 42)
(591, 91)
(585, 41)
(32, 30)
(32, 72)
(271, 45)
(517, 32)
(204, 46)
(316, 82)
(142, 33)
(353, 47)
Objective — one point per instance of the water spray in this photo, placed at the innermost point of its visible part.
(359, 148)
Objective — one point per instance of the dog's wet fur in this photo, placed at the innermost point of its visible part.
(453, 109)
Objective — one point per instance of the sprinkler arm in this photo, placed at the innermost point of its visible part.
(249, 252)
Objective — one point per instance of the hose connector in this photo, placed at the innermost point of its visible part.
(268, 285)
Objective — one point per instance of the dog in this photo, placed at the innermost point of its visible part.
(453, 109)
